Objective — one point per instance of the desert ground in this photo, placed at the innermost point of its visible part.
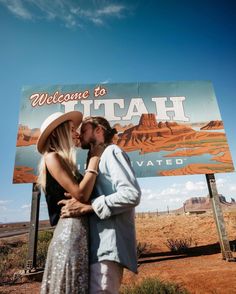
(200, 269)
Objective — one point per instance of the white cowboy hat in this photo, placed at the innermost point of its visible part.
(53, 121)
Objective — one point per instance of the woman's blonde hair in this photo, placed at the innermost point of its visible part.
(59, 141)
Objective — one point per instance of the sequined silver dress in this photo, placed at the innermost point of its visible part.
(66, 269)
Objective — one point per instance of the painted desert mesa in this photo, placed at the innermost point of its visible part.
(167, 129)
(180, 141)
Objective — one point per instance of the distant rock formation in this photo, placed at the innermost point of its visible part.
(202, 204)
(197, 204)
(213, 125)
(148, 131)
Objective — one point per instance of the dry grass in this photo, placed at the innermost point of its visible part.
(13, 256)
(156, 230)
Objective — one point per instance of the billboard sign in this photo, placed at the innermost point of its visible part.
(172, 128)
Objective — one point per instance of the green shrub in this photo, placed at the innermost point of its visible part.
(45, 236)
(4, 249)
(44, 239)
(142, 248)
(153, 286)
(179, 245)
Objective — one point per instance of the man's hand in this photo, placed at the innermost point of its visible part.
(74, 208)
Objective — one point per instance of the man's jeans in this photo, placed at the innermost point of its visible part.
(105, 277)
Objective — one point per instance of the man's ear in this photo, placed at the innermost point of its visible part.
(99, 133)
(99, 130)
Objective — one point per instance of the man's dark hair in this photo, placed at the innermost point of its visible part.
(96, 121)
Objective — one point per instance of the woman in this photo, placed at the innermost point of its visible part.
(66, 269)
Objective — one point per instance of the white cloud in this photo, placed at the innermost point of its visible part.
(71, 13)
(3, 205)
(106, 81)
(26, 206)
(43, 205)
(170, 194)
(149, 194)
(3, 208)
(4, 202)
(176, 199)
(111, 10)
(173, 195)
(232, 188)
(195, 186)
(221, 182)
(17, 8)
(169, 191)
(165, 192)
(146, 191)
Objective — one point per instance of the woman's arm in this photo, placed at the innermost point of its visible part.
(63, 175)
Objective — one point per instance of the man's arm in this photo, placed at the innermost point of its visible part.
(127, 191)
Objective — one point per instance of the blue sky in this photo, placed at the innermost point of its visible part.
(82, 42)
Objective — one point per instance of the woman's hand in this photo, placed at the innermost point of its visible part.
(97, 149)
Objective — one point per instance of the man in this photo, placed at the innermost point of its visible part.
(111, 218)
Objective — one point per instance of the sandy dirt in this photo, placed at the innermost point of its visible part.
(201, 270)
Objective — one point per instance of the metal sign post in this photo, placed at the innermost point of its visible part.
(219, 219)
(33, 230)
